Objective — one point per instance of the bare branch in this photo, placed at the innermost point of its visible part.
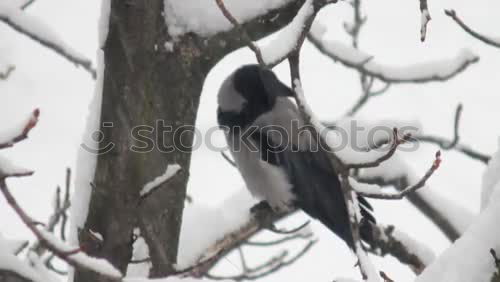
(426, 17)
(60, 212)
(285, 239)
(50, 266)
(4, 75)
(454, 143)
(492, 42)
(456, 137)
(27, 4)
(432, 212)
(228, 159)
(410, 189)
(396, 142)
(242, 31)
(23, 134)
(288, 232)
(267, 268)
(495, 257)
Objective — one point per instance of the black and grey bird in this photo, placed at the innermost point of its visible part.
(278, 162)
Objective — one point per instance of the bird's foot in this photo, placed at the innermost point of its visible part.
(262, 206)
(264, 213)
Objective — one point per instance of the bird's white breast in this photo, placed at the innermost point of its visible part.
(263, 180)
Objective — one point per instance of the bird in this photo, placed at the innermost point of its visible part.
(279, 162)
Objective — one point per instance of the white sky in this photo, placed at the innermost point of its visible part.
(43, 79)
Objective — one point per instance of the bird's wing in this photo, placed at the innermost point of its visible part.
(308, 167)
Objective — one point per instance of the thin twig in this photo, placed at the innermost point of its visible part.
(410, 189)
(452, 14)
(23, 134)
(60, 209)
(288, 232)
(267, 268)
(50, 266)
(426, 18)
(279, 241)
(4, 75)
(455, 142)
(396, 142)
(27, 4)
(241, 31)
(228, 159)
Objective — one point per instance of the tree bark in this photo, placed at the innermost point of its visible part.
(143, 84)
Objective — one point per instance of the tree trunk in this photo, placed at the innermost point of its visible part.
(143, 84)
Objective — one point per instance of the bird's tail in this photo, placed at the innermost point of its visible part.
(341, 226)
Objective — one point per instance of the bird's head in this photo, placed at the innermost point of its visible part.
(252, 90)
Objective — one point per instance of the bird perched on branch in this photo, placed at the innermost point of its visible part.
(280, 160)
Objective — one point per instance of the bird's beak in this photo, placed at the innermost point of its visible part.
(273, 85)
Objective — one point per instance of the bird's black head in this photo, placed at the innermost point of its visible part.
(259, 85)
(249, 92)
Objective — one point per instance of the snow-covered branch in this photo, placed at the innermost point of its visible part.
(440, 70)
(495, 42)
(241, 30)
(72, 255)
(449, 217)
(469, 259)
(151, 186)
(35, 29)
(374, 191)
(288, 40)
(389, 240)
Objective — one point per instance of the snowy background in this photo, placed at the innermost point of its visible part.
(62, 92)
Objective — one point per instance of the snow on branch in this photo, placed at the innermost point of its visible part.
(288, 41)
(229, 229)
(10, 263)
(244, 34)
(495, 42)
(151, 186)
(440, 70)
(205, 19)
(291, 37)
(72, 255)
(373, 191)
(409, 251)
(449, 217)
(469, 258)
(35, 29)
(18, 133)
